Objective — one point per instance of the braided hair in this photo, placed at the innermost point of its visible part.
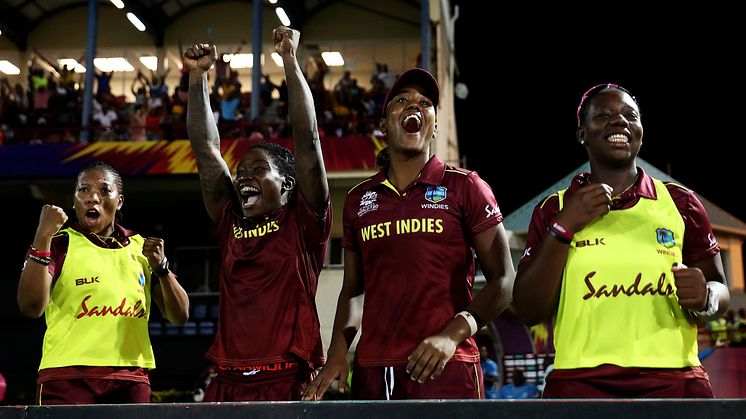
(593, 91)
(104, 167)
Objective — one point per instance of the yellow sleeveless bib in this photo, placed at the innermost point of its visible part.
(618, 301)
(99, 308)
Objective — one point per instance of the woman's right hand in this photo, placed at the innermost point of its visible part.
(200, 56)
(51, 220)
(334, 369)
(585, 205)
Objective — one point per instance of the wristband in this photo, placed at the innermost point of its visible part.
(562, 231)
(473, 328)
(36, 252)
(42, 260)
(162, 269)
(712, 305)
(552, 232)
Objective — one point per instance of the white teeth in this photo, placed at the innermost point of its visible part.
(617, 139)
(413, 116)
(247, 189)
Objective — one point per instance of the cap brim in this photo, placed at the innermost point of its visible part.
(415, 77)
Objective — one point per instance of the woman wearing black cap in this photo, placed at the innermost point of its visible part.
(604, 260)
(410, 234)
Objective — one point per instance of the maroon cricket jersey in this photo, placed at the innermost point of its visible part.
(417, 257)
(268, 282)
(699, 240)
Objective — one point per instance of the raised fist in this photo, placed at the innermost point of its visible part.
(200, 56)
(51, 219)
(152, 249)
(286, 40)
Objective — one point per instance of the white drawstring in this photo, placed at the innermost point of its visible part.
(388, 381)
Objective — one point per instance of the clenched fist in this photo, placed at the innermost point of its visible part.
(200, 57)
(51, 219)
(286, 40)
(153, 250)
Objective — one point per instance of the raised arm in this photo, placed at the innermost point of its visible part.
(35, 285)
(430, 357)
(214, 175)
(168, 294)
(346, 324)
(309, 162)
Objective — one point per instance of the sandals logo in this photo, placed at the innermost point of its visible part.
(665, 237)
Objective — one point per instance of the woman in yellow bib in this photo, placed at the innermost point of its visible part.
(625, 265)
(94, 282)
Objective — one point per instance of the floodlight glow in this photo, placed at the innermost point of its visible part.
(135, 21)
(280, 12)
(8, 68)
(333, 58)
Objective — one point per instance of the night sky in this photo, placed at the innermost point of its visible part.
(681, 61)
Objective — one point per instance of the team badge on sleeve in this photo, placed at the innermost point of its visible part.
(665, 237)
(435, 194)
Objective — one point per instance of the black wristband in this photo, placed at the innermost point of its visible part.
(41, 260)
(557, 236)
(161, 270)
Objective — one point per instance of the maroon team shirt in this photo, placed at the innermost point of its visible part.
(699, 241)
(417, 256)
(268, 280)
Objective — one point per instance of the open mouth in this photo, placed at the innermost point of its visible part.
(92, 216)
(617, 139)
(249, 195)
(412, 123)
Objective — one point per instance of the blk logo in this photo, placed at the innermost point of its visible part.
(86, 281)
(590, 242)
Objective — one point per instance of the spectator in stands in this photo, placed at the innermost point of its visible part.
(627, 266)
(106, 117)
(410, 234)
(103, 82)
(739, 329)
(272, 223)
(231, 98)
(490, 373)
(223, 67)
(518, 388)
(138, 123)
(94, 282)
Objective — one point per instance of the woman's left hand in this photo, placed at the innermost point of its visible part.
(153, 250)
(691, 287)
(430, 357)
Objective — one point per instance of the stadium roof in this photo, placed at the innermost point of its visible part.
(19, 17)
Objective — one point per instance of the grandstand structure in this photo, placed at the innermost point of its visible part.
(38, 162)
